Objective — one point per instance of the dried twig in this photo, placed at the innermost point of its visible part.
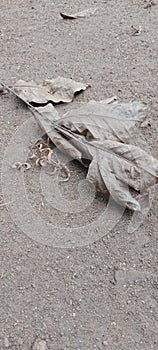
(136, 31)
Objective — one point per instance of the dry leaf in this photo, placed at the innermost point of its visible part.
(54, 90)
(85, 13)
(63, 89)
(101, 133)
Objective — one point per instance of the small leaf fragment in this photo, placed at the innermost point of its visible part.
(26, 166)
(84, 13)
(18, 166)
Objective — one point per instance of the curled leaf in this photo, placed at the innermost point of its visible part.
(53, 90)
(85, 13)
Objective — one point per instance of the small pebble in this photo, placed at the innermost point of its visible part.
(39, 344)
(104, 343)
(18, 268)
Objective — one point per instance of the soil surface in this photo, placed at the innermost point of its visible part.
(99, 290)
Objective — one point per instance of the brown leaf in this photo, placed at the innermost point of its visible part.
(101, 132)
(103, 120)
(85, 13)
(63, 89)
(54, 90)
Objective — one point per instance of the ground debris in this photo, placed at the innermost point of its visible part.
(39, 345)
(44, 155)
(18, 166)
(149, 4)
(3, 90)
(85, 13)
(136, 30)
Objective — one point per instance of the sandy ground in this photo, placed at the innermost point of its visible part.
(103, 294)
